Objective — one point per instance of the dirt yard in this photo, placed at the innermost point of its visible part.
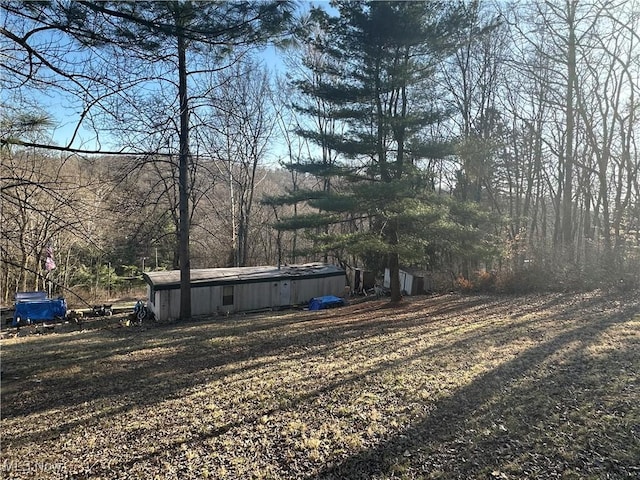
(449, 387)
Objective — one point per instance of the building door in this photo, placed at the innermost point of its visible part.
(285, 293)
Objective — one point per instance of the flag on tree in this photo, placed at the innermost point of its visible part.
(49, 263)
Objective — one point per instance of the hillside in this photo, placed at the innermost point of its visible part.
(451, 387)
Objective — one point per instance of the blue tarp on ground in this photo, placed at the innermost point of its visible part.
(328, 301)
(38, 311)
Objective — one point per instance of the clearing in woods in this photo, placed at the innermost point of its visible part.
(453, 387)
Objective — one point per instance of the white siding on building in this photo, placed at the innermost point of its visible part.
(407, 281)
(253, 288)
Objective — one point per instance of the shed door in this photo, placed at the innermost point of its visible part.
(285, 293)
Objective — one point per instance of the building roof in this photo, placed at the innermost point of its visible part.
(227, 276)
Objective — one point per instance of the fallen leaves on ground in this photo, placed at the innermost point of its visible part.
(451, 387)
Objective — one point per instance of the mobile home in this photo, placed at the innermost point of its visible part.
(227, 290)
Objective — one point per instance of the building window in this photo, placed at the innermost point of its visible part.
(227, 295)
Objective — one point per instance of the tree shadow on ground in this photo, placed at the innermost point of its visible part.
(523, 421)
(202, 350)
(181, 358)
(61, 370)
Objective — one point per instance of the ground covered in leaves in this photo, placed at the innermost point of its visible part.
(451, 387)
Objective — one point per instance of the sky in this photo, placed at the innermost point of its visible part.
(64, 110)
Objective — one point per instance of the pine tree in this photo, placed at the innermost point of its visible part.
(380, 62)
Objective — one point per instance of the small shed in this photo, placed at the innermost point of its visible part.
(412, 280)
(227, 290)
(360, 280)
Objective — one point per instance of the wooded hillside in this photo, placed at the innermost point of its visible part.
(495, 144)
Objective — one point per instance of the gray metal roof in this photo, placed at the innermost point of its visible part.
(210, 276)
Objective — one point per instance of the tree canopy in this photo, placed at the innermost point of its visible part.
(378, 60)
(486, 143)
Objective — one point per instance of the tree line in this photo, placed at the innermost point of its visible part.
(492, 141)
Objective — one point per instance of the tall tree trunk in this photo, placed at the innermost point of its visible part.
(567, 190)
(183, 181)
(394, 277)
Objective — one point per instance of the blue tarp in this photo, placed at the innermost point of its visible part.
(41, 310)
(328, 301)
(30, 296)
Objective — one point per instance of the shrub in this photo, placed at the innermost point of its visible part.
(464, 284)
(529, 279)
(481, 281)
(485, 281)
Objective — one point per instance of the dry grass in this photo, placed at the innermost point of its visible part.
(448, 387)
